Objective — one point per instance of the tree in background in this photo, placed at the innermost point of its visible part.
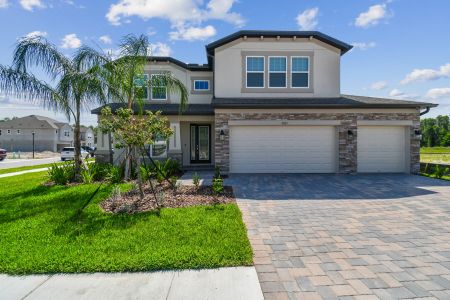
(435, 132)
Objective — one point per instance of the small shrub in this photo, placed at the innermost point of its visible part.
(87, 174)
(440, 171)
(196, 180)
(100, 170)
(217, 172)
(114, 175)
(217, 186)
(61, 174)
(165, 169)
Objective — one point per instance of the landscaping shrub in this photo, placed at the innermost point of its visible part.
(61, 174)
(196, 180)
(440, 171)
(114, 175)
(165, 169)
(217, 186)
(100, 170)
(87, 174)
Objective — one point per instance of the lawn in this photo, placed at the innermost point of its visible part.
(26, 168)
(435, 154)
(39, 233)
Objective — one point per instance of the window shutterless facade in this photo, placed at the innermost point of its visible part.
(159, 89)
(300, 70)
(201, 85)
(277, 71)
(255, 71)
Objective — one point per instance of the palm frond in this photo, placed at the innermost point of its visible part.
(173, 85)
(38, 52)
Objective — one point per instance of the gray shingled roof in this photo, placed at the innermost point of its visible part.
(345, 101)
(166, 109)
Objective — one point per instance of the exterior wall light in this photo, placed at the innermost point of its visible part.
(222, 135)
(350, 133)
(418, 133)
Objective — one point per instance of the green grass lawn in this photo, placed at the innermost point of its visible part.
(39, 235)
(435, 154)
(26, 168)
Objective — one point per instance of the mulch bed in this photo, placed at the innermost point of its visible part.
(182, 196)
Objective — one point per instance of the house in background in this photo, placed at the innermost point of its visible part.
(87, 136)
(49, 135)
(271, 102)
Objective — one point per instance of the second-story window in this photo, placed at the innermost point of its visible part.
(300, 72)
(141, 84)
(8, 131)
(255, 71)
(201, 85)
(159, 89)
(18, 131)
(66, 133)
(277, 71)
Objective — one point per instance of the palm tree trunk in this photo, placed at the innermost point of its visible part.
(77, 144)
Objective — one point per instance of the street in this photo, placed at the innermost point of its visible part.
(14, 163)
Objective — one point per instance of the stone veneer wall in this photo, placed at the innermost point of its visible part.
(347, 144)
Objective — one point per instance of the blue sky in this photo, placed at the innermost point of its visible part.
(402, 47)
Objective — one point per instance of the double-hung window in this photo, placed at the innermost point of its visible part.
(255, 71)
(277, 71)
(159, 88)
(8, 131)
(141, 84)
(159, 148)
(300, 72)
(18, 131)
(201, 85)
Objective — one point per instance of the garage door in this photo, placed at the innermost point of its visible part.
(381, 149)
(283, 149)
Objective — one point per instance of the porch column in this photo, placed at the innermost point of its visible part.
(175, 142)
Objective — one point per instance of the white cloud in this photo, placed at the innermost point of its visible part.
(427, 74)
(4, 3)
(363, 45)
(438, 93)
(70, 41)
(180, 13)
(160, 49)
(31, 4)
(396, 93)
(105, 39)
(379, 85)
(307, 20)
(372, 16)
(36, 34)
(193, 33)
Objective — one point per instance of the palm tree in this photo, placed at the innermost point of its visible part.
(122, 74)
(68, 89)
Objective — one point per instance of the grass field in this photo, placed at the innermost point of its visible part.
(435, 154)
(26, 168)
(39, 233)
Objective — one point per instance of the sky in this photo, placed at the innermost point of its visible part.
(401, 47)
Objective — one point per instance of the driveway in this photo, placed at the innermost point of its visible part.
(347, 236)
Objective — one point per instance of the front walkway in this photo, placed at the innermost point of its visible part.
(225, 283)
(348, 237)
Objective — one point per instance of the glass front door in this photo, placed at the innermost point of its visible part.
(200, 143)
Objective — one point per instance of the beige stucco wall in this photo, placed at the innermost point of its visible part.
(228, 66)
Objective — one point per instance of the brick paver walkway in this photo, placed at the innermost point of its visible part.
(348, 237)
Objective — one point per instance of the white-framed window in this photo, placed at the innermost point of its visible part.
(66, 133)
(201, 85)
(255, 71)
(300, 71)
(18, 131)
(8, 131)
(159, 89)
(277, 71)
(158, 149)
(141, 83)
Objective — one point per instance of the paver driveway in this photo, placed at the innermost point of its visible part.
(346, 236)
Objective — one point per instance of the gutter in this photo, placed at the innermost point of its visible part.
(427, 109)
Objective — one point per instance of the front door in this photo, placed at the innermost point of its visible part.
(200, 143)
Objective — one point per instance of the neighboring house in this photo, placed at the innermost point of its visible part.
(87, 136)
(270, 102)
(49, 135)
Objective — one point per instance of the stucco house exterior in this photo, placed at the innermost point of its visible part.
(49, 135)
(270, 102)
(87, 136)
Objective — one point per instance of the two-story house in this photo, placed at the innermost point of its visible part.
(87, 137)
(270, 102)
(48, 134)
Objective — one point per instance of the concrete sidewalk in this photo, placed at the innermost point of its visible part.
(22, 172)
(224, 283)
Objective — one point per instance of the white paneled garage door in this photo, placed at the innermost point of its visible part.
(382, 149)
(283, 149)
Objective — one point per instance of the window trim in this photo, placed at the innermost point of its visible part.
(301, 72)
(8, 131)
(202, 90)
(263, 72)
(277, 72)
(18, 132)
(151, 89)
(68, 133)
